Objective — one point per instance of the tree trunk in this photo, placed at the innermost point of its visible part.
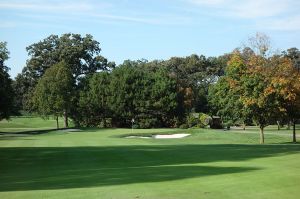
(262, 137)
(57, 124)
(66, 119)
(294, 131)
(278, 125)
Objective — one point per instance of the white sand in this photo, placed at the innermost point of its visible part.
(170, 136)
(178, 135)
(134, 136)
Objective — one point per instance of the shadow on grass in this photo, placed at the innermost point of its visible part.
(24, 133)
(44, 131)
(42, 168)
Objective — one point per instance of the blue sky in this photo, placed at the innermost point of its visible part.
(150, 29)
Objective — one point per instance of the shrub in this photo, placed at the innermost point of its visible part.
(184, 126)
(204, 120)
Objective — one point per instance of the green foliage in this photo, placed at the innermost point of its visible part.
(200, 120)
(129, 91)
(192, 121)
(238, 87)
(204, 120)
(193, 74)
(184, 126)
(80, 53)
(256, 88)
(53, 93)
(93, 107)
(6, 90)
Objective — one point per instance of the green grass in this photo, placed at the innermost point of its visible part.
(19, 124)
(99, 163)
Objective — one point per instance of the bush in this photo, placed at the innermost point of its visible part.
(200, 120)
(145, 123)
(135, 126)
(184, 126)
(204, 120)
(192, 120)
(105, 123)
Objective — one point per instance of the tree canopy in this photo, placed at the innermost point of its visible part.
(54, 92)
(66, 75)
(6, 90)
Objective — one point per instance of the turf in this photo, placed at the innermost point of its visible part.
(100, 163)
(21, 124)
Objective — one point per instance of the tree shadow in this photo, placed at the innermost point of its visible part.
(24, 133)
(31, 132)
(44, 168)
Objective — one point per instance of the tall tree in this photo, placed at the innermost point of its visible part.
(224, 96)
(286, 83)
(80, 53)
(260, 44)
(254, 95)
(149, 96)
(6, 90)
(53, 93)
(193, 74)
(94, 104)
(248, 85)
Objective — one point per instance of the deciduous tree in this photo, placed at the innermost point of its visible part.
(6, 90)
(53, 93)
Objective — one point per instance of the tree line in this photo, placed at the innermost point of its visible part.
(67, 76)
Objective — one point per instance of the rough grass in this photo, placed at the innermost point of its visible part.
(99, 163)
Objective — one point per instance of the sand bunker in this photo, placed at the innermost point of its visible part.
(177, 135)
(135, 136)
(162, 136)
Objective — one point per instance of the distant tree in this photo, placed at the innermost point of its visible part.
(193, 75)
(286, 84)
(149, 96)
(294, 55)
(260, 44)
(53, 93)
(94, 104)
(245, 91)
(22, 86)
(164, 98)
(80, 53)
(256, 94)
(6, 90)
(224, 96)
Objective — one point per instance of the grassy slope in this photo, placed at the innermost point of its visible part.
(18, 124)
(98, 163)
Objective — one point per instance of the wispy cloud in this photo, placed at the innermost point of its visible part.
(53, 6)
(249, 8)
(87, 10)
(259, 9)
(291, 23)
(266, 14)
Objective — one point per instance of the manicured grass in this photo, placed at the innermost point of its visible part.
(99, 163)
(19, 124)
